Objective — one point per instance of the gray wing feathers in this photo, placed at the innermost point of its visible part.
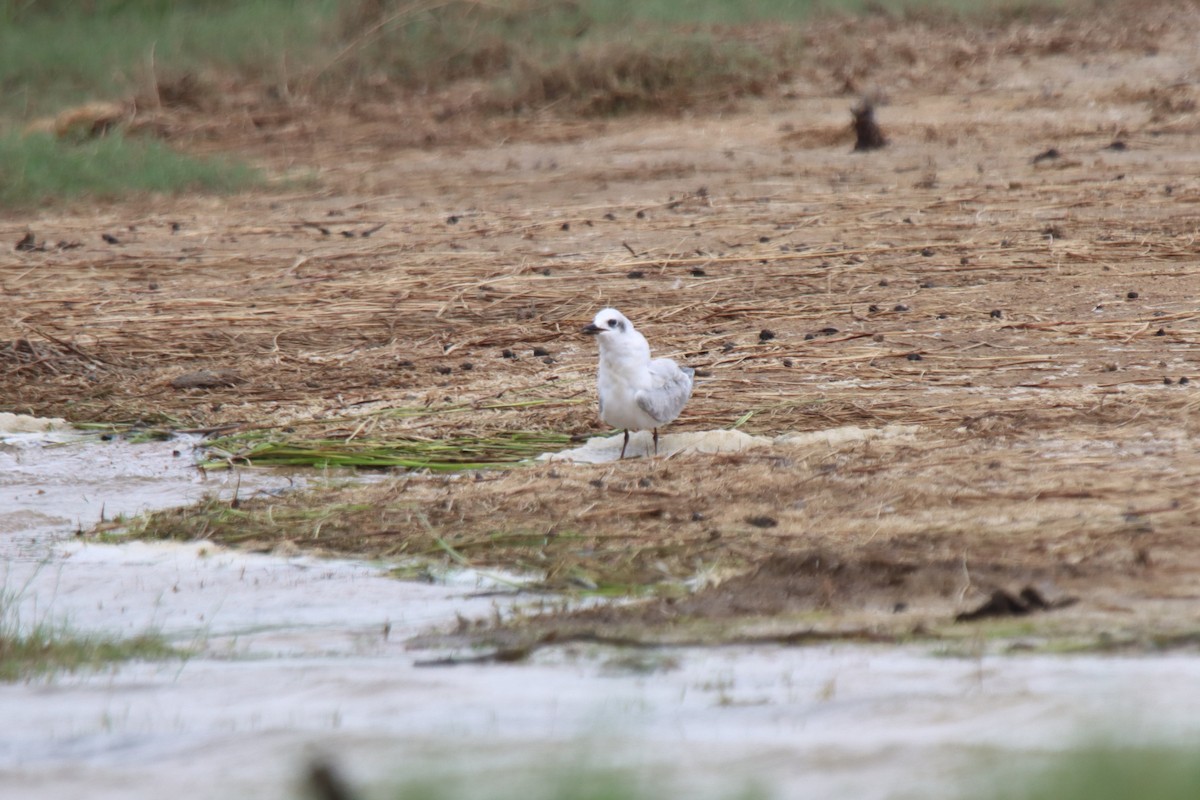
(670, 388)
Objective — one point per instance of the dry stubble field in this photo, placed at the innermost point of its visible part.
(1026, 323)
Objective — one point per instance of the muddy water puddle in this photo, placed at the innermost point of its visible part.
(293, 656)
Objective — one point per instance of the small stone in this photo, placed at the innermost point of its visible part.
(900, 307)
(873, 309)
(764, 239)
(540, 351)
(467, 366)
(964, 260)
(697, 516)
(108, 237)
(766, 335)
(787, 362)
(640, 215)
(697, 272)
(442, 370)
(997, 313)
(636, 273)
(452, 219)
(1184, 381)
(1168, 381)
(1131, 295)
(762, 521)
(927, 251)
(914, 357)
(609, 216)
(506, 353)
(566, 226)
(1160, 332)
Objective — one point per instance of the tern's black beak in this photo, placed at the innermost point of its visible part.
(591, 329)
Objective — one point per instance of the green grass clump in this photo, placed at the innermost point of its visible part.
(39, 167)
(264, 449)
(1110, 772)
(47, 648)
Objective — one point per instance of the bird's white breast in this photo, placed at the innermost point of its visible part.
(618, 385)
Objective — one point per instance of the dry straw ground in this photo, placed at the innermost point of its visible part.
(1013, 279)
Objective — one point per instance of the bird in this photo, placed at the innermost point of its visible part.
(636, 392)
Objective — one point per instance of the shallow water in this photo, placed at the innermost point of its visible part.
(299, 655)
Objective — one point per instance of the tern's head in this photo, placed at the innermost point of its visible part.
(609, 325)
(617, 336)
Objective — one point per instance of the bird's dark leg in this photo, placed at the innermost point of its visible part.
(624, 445)
(656, 441)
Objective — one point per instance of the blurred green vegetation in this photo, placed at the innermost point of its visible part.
(216, 57)
(57, 52)
(1105, 772)
(54, 53)
(39, 168)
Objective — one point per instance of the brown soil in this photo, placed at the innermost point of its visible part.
(1032, 313)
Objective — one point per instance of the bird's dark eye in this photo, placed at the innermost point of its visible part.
(612, 323)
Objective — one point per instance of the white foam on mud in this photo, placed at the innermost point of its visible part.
(603, 449)
(849, 434)
(22, 423)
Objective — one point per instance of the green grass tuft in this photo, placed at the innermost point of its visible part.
(46, 648)
(263, 449)
(37, 168)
